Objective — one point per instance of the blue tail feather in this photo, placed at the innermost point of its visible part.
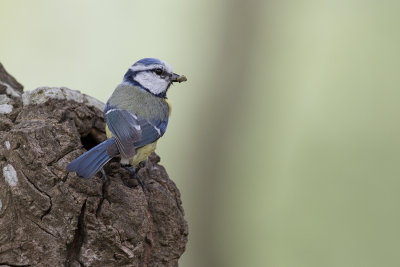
(89, 163)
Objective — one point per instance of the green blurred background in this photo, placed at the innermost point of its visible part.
(284, 142)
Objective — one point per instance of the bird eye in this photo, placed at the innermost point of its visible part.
(158, 71)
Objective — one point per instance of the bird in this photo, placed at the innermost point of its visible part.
(136, 116)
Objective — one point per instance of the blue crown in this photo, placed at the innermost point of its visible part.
(148, 61)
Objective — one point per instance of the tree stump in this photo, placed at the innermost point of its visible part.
(49, 217)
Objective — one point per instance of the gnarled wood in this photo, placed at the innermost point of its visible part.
(49, 217)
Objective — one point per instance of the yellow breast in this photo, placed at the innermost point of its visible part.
(142, 153)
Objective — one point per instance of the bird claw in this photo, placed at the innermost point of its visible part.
(133, 172)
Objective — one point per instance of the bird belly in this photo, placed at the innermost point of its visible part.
(143, 153)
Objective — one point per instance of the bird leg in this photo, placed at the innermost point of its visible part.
(133, 172)
(104, 175)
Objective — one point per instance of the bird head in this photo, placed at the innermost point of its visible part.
(152, 75)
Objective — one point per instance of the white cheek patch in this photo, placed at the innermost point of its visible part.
(152, 82)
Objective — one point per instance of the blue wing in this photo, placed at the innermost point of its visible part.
(132, 132)
(151, 130)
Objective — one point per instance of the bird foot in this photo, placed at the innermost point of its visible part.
(133, 172)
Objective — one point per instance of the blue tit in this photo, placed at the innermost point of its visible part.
(136, 116)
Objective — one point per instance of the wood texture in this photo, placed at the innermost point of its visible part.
(49, 217)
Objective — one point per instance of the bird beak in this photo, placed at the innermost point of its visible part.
(178, 78)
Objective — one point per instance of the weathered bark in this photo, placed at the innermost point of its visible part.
(49, 217)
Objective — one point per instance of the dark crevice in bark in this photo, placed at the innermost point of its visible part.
(51, 163)
(47, 211)
(64, 179)
(34, 185)
(74, 248)
(106, 183)
(42, 228)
